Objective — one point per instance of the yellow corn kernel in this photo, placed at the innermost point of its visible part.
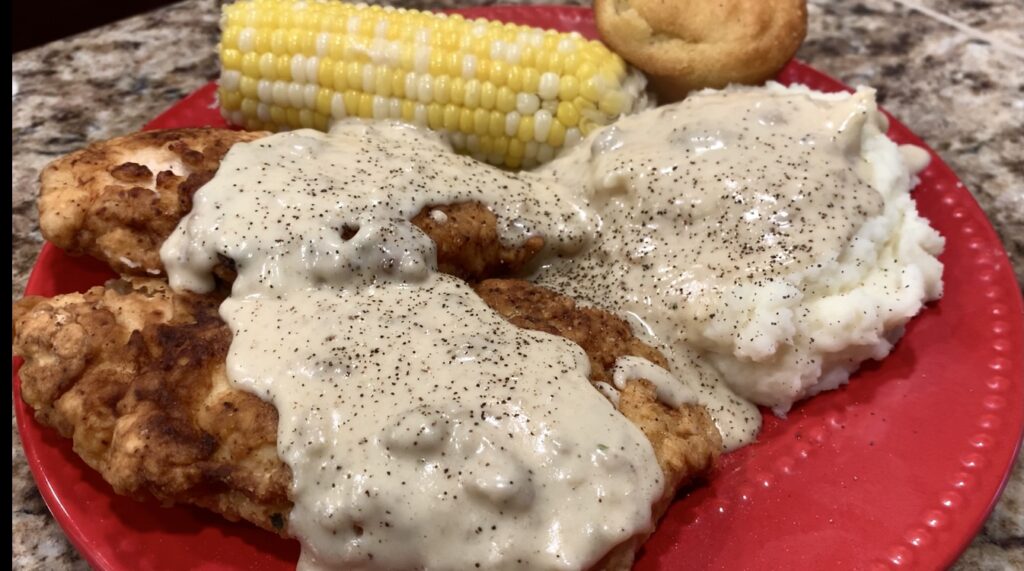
(365, 105)
(613, 102)
(278, 115)
(488, 94)
(481, 121)
(248, 87)
(323, 101)
(339, 81)
(556, 136)
(230, 100)
(293, 117)
(408, 111)
(514, 79)
(505, 100)
(458, 91)
(531, 80)
(525, 129)
(284, 68)
(320, 122)
(500, 146)
(496, 124)
(499, 73)
(354, 75)
(382, 83)
(231, 59)
(568, 88)
(229, 37)
(325, 73)
(352, 103)
(568, 114)
(442, 89)
(466, 121)
(451, 117)
(435, 116)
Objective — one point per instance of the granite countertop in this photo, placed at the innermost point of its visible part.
(953, 71)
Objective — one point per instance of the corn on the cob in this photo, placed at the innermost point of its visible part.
(508, 94)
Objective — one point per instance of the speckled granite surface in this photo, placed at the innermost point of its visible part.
(963, 95)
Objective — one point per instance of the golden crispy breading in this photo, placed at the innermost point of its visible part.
(694, 44)
(135, 374)
(468, 245)
(119, 199)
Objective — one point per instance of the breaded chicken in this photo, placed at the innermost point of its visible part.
(135, 375)
(118, 200)
(684, 440)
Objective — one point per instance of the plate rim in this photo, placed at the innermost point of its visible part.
(79, 537)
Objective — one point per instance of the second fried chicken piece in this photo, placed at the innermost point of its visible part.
(135, 374)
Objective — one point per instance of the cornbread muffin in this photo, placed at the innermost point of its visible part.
(685, 45)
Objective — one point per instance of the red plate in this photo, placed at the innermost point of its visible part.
(898, 469)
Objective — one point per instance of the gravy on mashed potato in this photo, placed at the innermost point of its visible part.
(764, 239)
(766, 232)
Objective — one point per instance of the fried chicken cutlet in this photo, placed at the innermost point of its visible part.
(118, 200)
(135, 374)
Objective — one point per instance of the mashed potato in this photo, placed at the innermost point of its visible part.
(765, 238)
(854, 305)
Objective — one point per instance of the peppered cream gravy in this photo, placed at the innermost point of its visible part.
(707, 205)
(423, 431)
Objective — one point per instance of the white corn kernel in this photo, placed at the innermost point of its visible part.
(298, 68)
(549, 85)
(309, 92)
(312, 69)
(281, 93)
(527, 103)
(545, 153)
(512, 124)
(419, 115)
(421, 59)
(229, 79)
(295, 95)
(247, 40)
(380, 107)
(468, 66)
(473, 144)
(541, 125)
(369, 77)
(323, 43)
(425, 91)
(572, 136)
(265, 91)
(338, 106)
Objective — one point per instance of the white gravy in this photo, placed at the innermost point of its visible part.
(423, 430)
(701, 204)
